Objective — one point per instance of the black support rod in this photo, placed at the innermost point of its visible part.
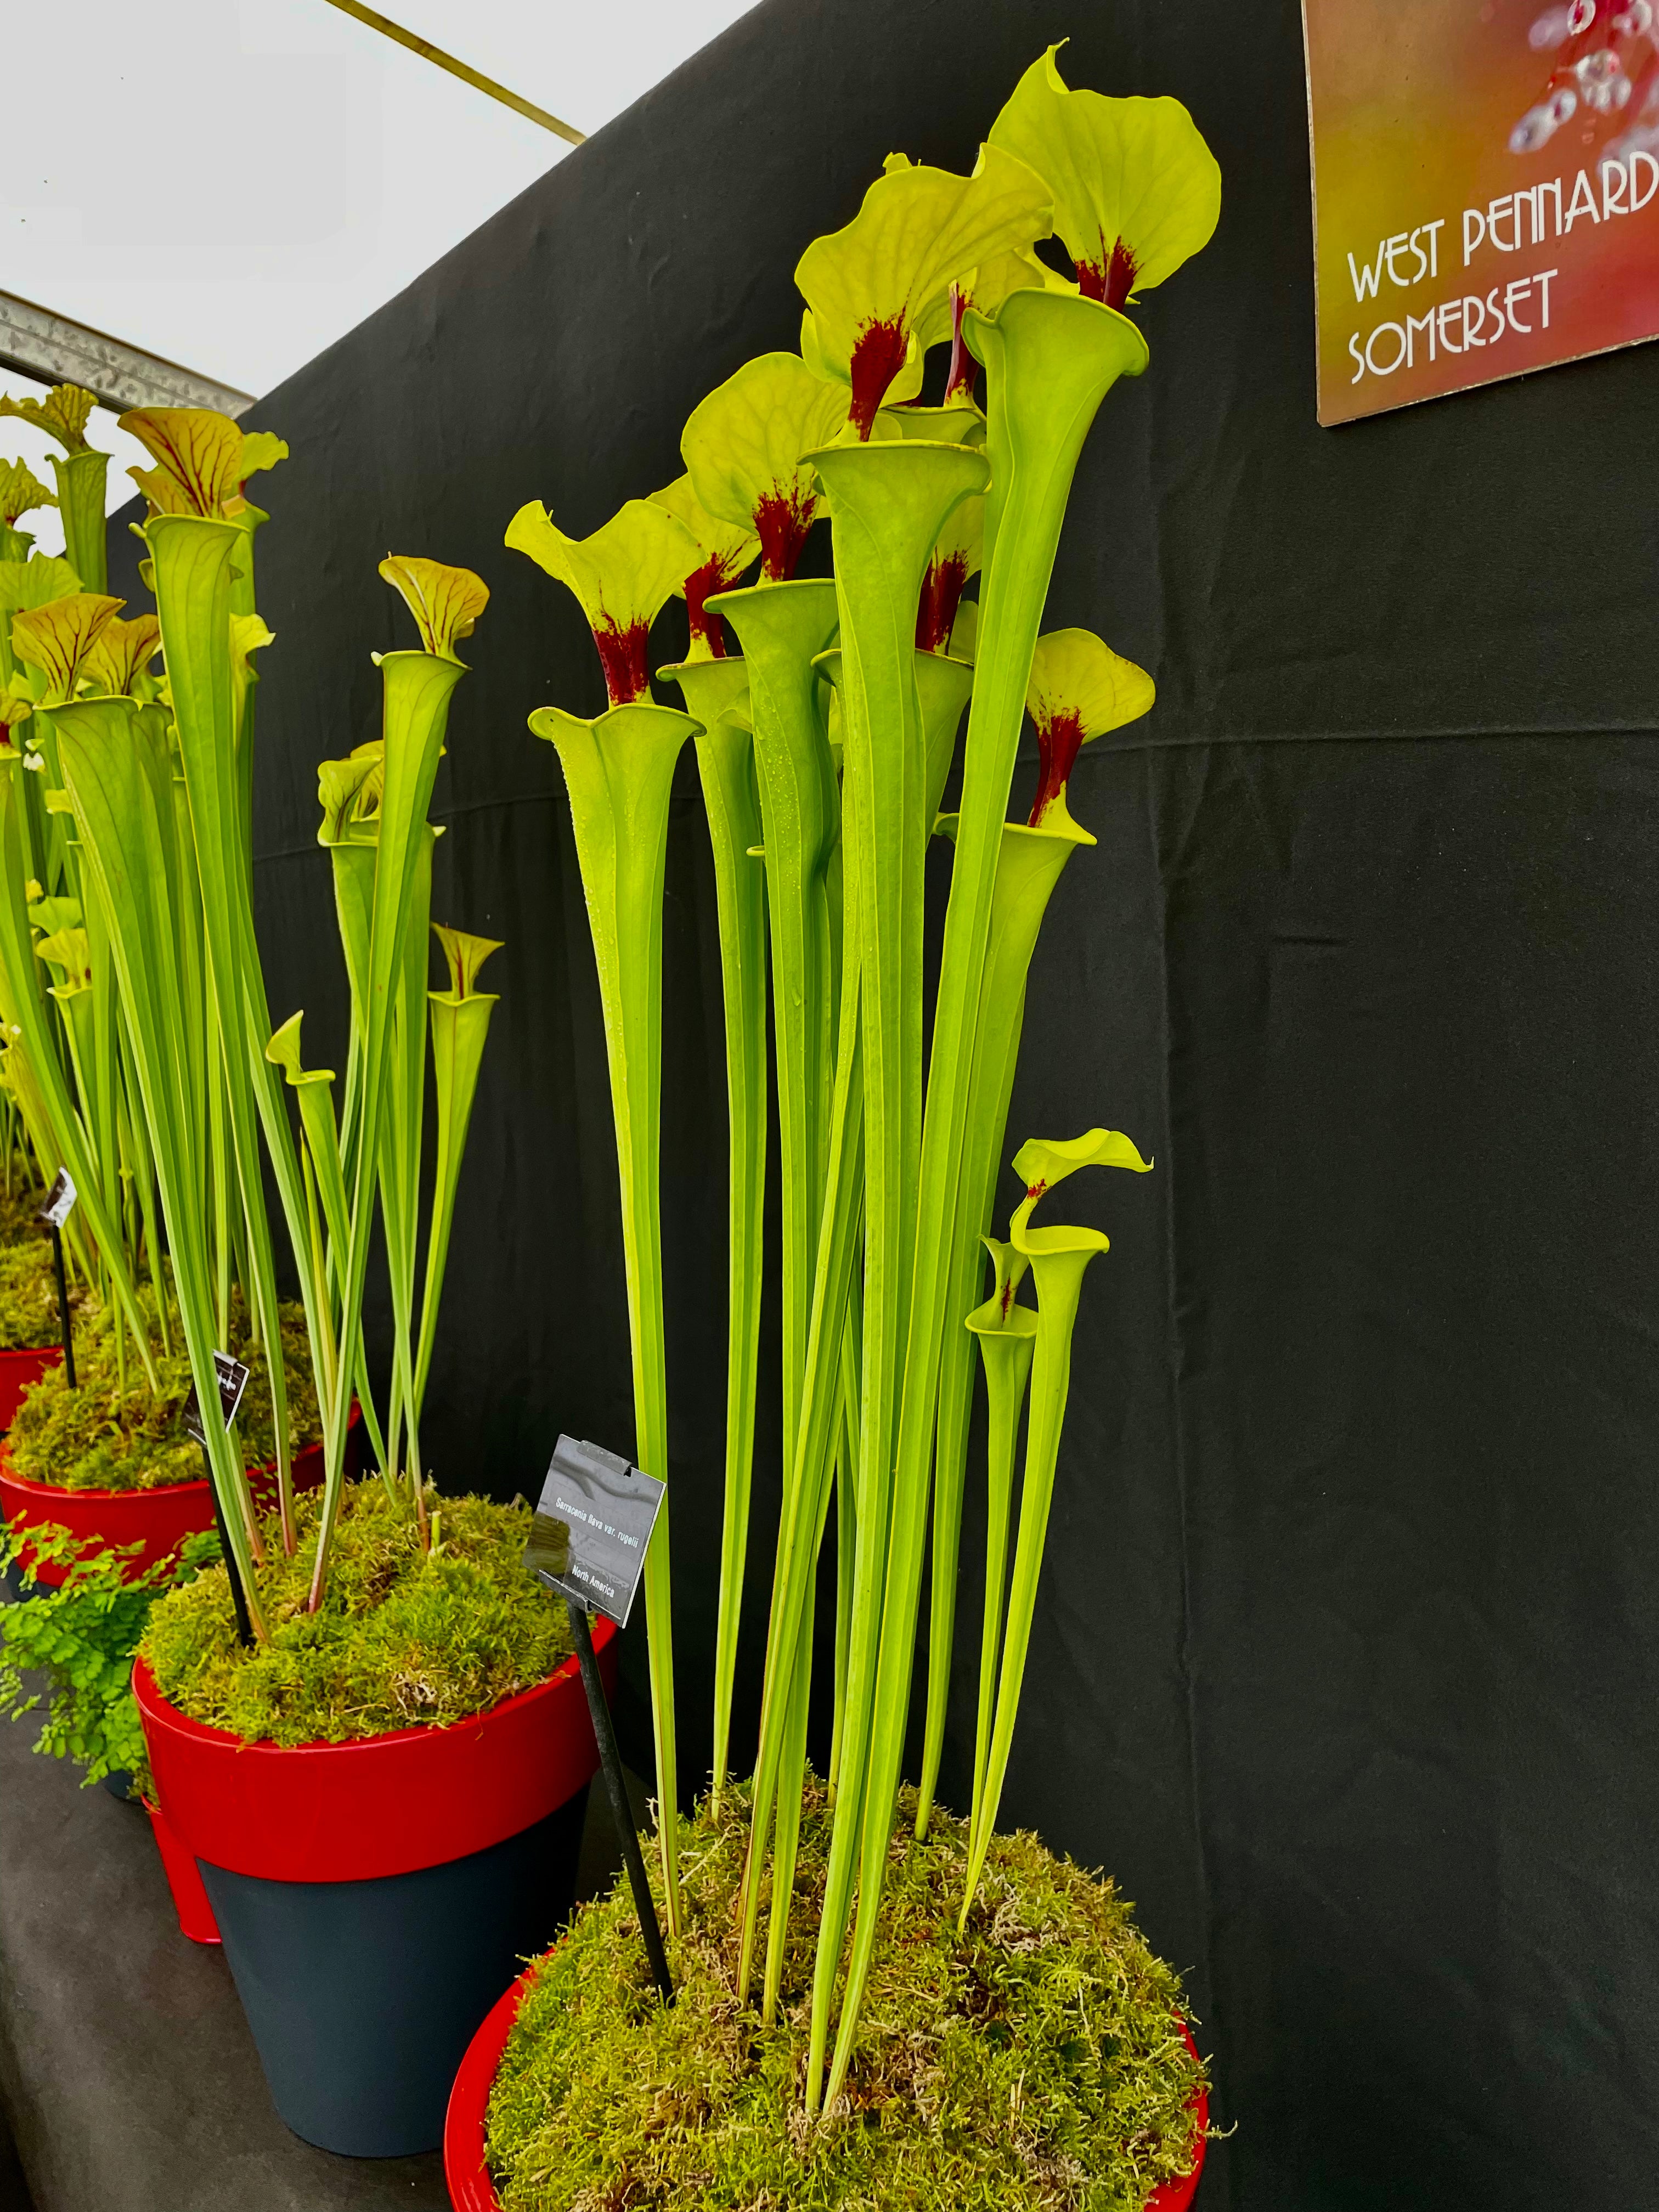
(64, 1306)
(622, 1810)
(238, 1595)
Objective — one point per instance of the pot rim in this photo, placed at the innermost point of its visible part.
(155, 1704)
(82, 1492)
(377, 1805)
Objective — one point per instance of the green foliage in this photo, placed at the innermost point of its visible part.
(1033, 2063)
(405, 1636)
(100, 1436)
(80, 1638)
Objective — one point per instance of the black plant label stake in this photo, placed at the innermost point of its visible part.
(587, 1544)
(60, 1204)
(232, 1380)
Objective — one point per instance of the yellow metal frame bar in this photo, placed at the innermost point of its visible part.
(476, 78)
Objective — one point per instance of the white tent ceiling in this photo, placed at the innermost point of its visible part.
(234, 184)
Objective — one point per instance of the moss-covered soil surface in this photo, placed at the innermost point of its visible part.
(403, 1637)
(20, 1200)
(1033, 2062)
(102, 1436)
(28, 1285)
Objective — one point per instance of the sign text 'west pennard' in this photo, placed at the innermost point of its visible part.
(609, 1509)
(1486, 191)
(232, 1380)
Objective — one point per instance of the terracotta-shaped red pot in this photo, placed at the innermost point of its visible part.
(18, 1370)
(467, 2170)
(159, 1519)
(373, 1897)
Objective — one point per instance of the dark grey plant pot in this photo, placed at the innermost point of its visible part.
(363, 1995)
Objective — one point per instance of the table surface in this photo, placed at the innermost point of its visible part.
(127, 2074)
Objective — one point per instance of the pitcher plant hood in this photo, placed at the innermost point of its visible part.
(885, 279)
(121, 653)
(724, 551)
(1136, 190)
(744, 448)
(62, 415)
(1042, 1162)
(1080, 690)
(201, 458)
(349, 791)
(465, 955)
(56, 639)
(65, 953)
(446, 602)
(623, 576)
(283, 1051)
(21, 492)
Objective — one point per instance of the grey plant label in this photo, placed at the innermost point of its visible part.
(592, 1526)
(60, 1200)
(232, 1380)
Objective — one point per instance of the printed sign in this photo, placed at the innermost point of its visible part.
(609, 1509)
(232, 1380)
(60, 1200)
(1485, 189)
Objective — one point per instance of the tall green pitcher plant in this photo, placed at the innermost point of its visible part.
(619, 770)
(66, 1066)
(375, 829)
(163, 1018)
(835, 733)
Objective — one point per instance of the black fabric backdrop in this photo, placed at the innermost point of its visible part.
(1343, 1654)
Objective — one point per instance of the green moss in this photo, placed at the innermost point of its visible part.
(1034, 2063)
(28, 1284)
(97, 1438)
(20, 1204)
(29, 1291)
(403, 1638)
(28, 1287)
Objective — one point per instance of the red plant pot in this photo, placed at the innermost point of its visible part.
(467, 2170)
(18, 1370)
(159, 1519)
(383, 1805)
(190, 1896)
(371, 1894)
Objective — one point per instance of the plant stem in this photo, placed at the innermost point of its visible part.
(1028, 865)
(619, 772)
(888, 503)
(716, 691)
(1059, 1282)
(1050, 358)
